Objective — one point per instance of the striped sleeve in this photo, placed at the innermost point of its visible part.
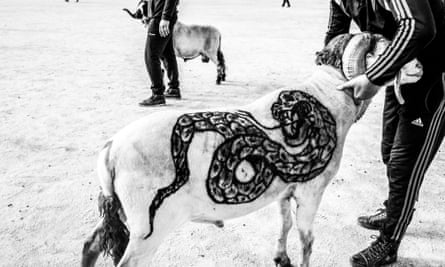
(416, 28)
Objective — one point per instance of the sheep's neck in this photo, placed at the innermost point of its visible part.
(324, 80)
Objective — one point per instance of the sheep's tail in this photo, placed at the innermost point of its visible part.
(115, 233)
(105, 170)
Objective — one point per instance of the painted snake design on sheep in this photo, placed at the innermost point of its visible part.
(247, 161)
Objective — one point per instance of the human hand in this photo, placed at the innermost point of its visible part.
(362, 86)
(145, 21)
(164, 29)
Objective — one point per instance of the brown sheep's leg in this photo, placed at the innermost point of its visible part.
(214, 58)
(221, 65)
(281, 258)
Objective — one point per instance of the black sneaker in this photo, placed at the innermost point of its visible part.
(381, 252)
(373, 222)
(173, 93)
(153, 101)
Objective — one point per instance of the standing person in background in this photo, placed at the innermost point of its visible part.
(412, 132)
(162, 16)
(285, 2)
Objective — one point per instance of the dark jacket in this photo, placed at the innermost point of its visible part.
(163, 9)
(411, 25)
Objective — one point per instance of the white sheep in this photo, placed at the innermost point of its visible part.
(209, 166)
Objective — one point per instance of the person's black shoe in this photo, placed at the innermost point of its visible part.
(381, 252)
(374, 221)
(173, 93)
(153, 100)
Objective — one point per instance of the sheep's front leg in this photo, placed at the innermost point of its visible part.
(281, 258)
(307, 206)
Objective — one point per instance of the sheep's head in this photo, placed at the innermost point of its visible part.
(354, 53)
(141, 11)
(332, 53)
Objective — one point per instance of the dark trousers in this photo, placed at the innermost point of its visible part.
(285, 2)
(407, 130)
(159, 48)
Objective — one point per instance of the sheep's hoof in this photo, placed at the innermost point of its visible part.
(219, 224)
(282, 261)
(205, 59)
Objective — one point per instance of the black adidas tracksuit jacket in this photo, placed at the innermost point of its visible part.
(412, 133)
(163, 9)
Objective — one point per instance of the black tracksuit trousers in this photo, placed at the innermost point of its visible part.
(159, 48)
(285, 2)
(412, 134)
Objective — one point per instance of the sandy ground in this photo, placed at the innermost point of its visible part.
(71, 75)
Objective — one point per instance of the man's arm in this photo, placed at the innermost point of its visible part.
(167, 15)
(339, 21)
(169, 9)
(416, 28)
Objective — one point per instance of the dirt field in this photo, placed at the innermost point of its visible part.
(71, 75)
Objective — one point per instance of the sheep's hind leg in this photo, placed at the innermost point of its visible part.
(92, 246)
(281, 258)
(142, 248)
(140, 251)
(214, 58)
(221, 65)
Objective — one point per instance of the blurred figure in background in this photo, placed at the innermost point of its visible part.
(285, 2)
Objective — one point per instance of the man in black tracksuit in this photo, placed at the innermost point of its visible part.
(162, 15)
(412, 132)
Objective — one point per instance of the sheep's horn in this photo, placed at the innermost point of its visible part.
(354, 55)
